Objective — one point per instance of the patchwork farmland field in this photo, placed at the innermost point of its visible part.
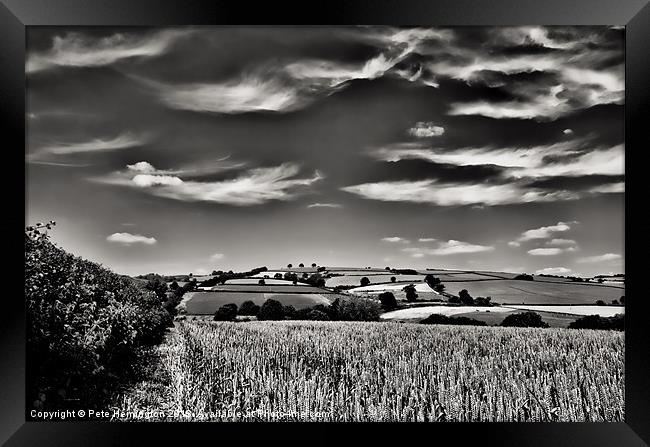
(420, 287)
(347, 371)
(276, 288)
(268, 281)
(207, 303)
(556, 316)
(374, 279)
(536, 292)
(603, 311)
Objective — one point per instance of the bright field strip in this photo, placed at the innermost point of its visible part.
(423, 312)
(390, 287)
(267, 281)
(603, 311)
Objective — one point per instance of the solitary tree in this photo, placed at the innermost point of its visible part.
(313, 264)
(289, 265)
(301, 265)
(465, 298)
(387, 268)
(393, 279)
(364, 281)
(411, 295)
(431, 280)
(261, 282)
(524, 319)
(388, 301)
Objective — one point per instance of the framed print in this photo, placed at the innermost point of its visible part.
(361, 217)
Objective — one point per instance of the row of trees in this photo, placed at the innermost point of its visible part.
(466, 299)
(342, 309)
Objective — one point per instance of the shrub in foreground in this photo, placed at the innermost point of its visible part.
(85, 326)
(249, 308)
(356, 309)
(388, 301)
(271, 310)
(524, 319)
(443, 319)
(227, 312)
(597, 322)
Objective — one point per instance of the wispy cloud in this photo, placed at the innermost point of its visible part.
(426, 239)
(324, 205)
(571, 82)
(545, 251)
(78, 50)
(252, 187)
(566, 158)
(122, 141)
(436, 193)
(217, 256)
(450, 247)
(543, 232)
(600, 258)
(296, 84)
(130, 239)
(562, 271)
(394, 239)
(425, 129)
(562, 242)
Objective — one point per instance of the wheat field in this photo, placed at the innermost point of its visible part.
(349, 371)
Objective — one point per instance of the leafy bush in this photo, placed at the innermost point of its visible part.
(480, 301)
(443, 319)
(365, 281)
(597, 322)
(600, 303)
(227, 312)
(271, 310)
(388, 301)
(288, 311)
(356, 309)
(85, 326)
(524, 277)
(249, 308)
(524, 319)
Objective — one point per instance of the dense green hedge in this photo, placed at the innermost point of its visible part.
(85, 326)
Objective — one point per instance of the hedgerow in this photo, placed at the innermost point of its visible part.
(86, 326)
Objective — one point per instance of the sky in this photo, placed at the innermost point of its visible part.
(177, 150)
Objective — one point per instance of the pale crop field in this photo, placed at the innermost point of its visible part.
(352, 371)
(390, 287)
(603, 311)
(425, 311)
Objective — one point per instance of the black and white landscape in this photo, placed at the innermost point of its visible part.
(326, 223)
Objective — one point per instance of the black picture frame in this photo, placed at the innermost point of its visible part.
(16, 15)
